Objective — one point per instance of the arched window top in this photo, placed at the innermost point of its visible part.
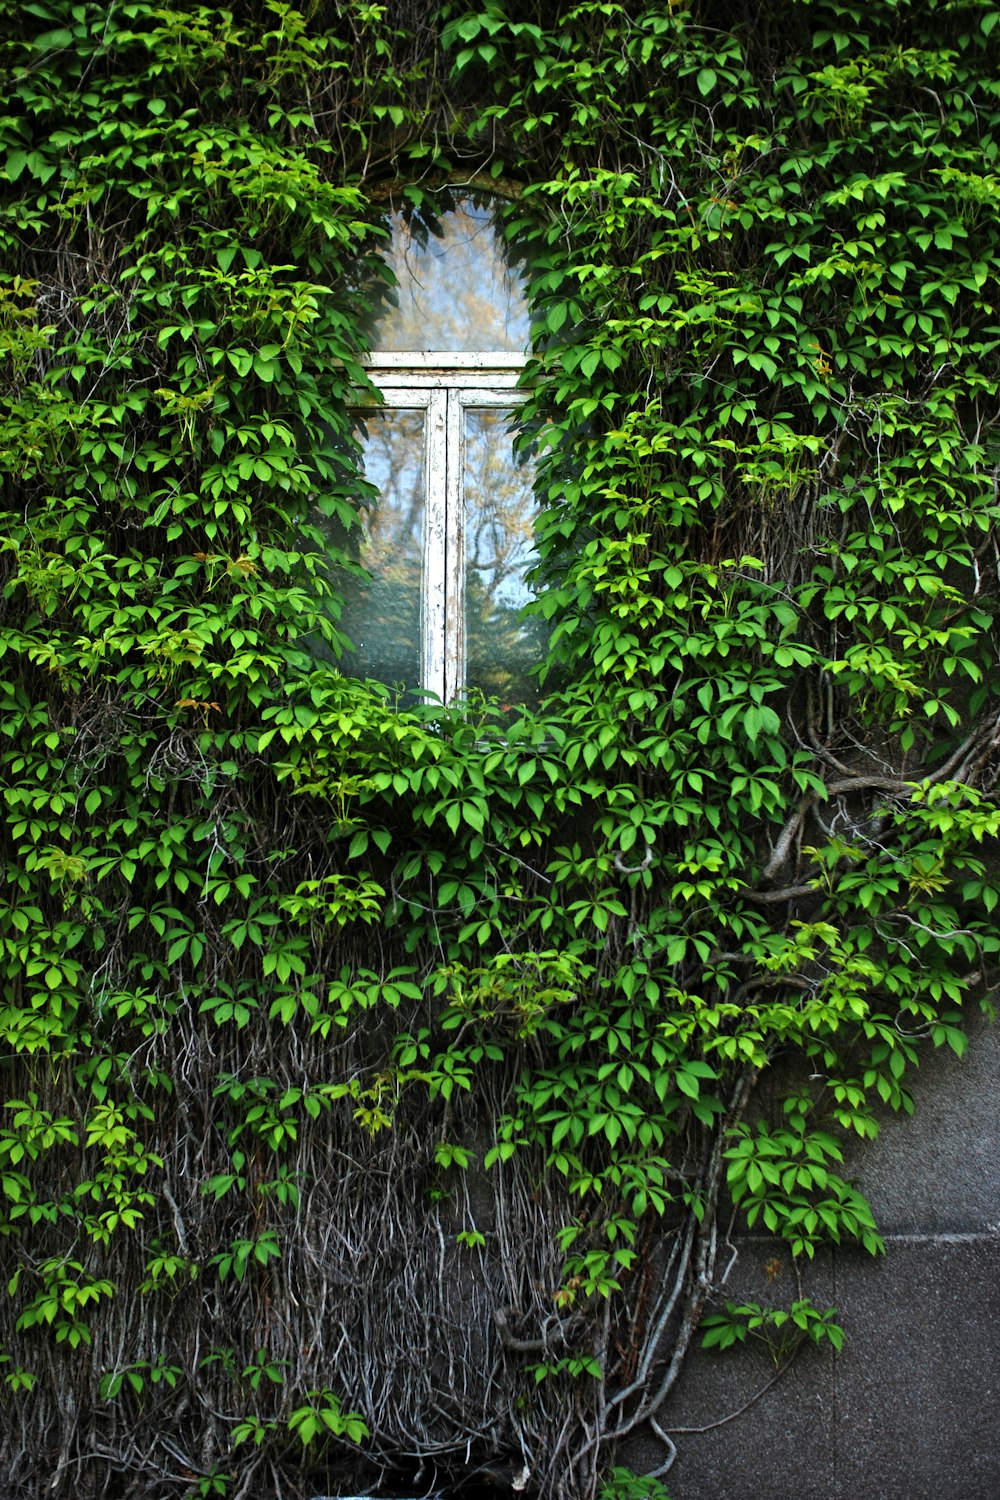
(455, 291)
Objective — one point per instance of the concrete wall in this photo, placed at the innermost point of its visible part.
(910, 1410)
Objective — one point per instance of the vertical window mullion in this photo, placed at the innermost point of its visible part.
(454, 589)
(435, 546)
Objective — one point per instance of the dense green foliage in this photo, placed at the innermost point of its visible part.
(373, 1077)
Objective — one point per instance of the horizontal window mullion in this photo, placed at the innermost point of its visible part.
(412, 380)
(488, 396)
(485, 359)
(407, 396)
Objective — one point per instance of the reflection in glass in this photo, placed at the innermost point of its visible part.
(500, 647)
(455, 290)
(382, 616)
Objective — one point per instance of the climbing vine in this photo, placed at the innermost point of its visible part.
(379, 1079)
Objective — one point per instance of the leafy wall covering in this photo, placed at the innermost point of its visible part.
(376, 1080)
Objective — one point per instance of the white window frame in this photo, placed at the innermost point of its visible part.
(445, 386)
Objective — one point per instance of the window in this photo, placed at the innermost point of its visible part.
(448, 542)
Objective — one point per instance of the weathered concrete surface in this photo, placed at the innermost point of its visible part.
(785, 1435)
(938, 1171)
(917, 1391)
(910, 1410)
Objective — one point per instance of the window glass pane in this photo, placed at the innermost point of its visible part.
(383, 616)
(500, 648)
(455, 291)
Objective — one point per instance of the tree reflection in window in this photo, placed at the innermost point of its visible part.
(501, 645)
(382, 613)
(455, 291)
